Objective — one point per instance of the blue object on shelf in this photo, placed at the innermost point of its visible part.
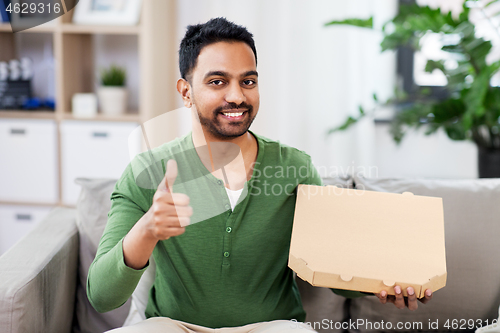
(49, 103)
(4, 15)
(32, 103)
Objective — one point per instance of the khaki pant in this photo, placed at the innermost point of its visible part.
(167, 325)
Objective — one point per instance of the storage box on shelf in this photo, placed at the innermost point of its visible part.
(28, 164)
(85, 151)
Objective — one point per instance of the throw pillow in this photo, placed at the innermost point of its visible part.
(92, 214)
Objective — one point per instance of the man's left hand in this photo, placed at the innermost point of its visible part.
(400, 301)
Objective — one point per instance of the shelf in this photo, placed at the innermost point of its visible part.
(20, 203)
(78, 29)
(27, 114)
(5, 27)
(127, 117)
(44, 28)
(100, 29)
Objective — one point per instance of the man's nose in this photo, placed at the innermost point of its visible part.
(235, 94)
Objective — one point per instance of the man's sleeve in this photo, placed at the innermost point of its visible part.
(314, 177)
(110, 282)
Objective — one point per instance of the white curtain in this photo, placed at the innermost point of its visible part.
(311, 77)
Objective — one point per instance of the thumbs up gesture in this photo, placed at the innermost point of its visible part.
(170, 212)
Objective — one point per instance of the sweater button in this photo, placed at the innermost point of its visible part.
(226, 254)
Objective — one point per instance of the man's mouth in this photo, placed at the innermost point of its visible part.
(234, 115)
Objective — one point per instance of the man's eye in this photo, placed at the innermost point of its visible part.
(217, 82)
(249, 82)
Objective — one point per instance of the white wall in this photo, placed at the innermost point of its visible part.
(421, 156)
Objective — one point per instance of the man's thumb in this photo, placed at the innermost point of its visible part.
(168, 181)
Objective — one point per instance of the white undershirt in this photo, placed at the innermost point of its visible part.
(233, 196)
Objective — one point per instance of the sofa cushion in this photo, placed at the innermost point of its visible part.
(344, 182)
(92, 214)
(472, 229)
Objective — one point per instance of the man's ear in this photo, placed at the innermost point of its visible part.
(184, 88)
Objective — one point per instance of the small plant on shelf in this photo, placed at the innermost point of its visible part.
(114, 76)
(112, 92)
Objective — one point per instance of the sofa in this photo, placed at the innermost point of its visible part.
(42, 278)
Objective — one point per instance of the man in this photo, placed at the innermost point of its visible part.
(228, 268)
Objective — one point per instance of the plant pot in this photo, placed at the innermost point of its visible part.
(112, 100)
(489, 163)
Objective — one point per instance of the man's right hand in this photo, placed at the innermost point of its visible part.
(170, 212)
(167, 217)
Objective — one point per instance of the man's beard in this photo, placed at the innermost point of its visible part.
(232, 130)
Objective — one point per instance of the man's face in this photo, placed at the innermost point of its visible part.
(224, 92)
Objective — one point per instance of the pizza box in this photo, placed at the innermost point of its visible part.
(368, 241)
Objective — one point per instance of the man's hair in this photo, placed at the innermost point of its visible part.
(200, 35)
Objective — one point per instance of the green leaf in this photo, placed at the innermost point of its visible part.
(367, 23)
(492, 105)
(464, 15)
(432, 65)
(465, 29)
(413, 116)
(474, 98)
(426, 91)
(456, 131)
(490, 3)
(448, 110)
(494, 67)
(348, 123)
(432, 128)
(453, 48)
(456, 77)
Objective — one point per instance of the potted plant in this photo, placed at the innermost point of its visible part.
(112, 92)
(471, 108)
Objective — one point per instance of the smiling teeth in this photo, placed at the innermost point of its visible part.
(232, 114)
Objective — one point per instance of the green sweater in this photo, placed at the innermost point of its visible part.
(229, 268)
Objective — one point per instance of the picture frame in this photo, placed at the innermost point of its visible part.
(107, 12)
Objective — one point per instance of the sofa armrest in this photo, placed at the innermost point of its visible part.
(38, 277)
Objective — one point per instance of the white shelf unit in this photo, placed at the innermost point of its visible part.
(74, 54)
(61, 155)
